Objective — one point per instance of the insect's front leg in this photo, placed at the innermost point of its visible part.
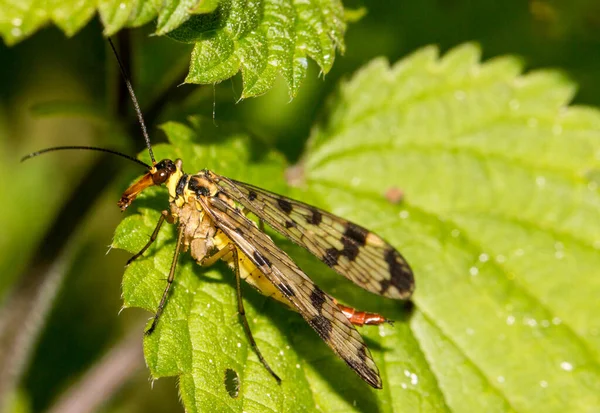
(163, 300)
(163, 215)
(210, 260)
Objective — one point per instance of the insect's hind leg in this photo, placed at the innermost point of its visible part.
(207, 261)
(163, 300)
(163, 215)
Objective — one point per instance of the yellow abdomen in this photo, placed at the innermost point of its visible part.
(249, 272)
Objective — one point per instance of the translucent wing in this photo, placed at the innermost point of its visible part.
(354, 252)
(317, 307)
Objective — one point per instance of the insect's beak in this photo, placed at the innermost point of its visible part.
(132, 192)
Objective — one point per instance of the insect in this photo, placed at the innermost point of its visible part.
(211, 212)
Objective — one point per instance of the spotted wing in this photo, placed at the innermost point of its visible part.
(317, 307)
(354, 252)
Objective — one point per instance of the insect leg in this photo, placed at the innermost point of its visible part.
(163, 300)
(242, 313)
(211, 259)
(163, 215)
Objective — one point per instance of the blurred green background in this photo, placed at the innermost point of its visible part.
(60, 91)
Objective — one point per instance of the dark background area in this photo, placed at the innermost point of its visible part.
(82, 74)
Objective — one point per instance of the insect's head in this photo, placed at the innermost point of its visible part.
(156, 175)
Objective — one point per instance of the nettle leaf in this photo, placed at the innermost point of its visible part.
(199, 336)
(500, 220)
(481, 176)
(19, 19)
(169, 15)
(263, 38)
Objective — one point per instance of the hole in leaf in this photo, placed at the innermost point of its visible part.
(232, 383)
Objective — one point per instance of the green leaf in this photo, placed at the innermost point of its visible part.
(263, 39)
(117, 14)
(355, 15)
(19, 19)
(499, 221)
(199, 335)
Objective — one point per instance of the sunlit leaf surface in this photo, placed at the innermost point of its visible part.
(498, 218)
(263, 39)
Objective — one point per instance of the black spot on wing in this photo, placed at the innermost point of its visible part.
(356, 233)
(350, 249)
(261, 260)
(286, 289)
(331, 256)
(400, 275)
(317, 298)
(369, 375)
(323, 326)
(357, 365)
(285, 205)
(385, 285)
(315, 217)
(239, 231)
(290, 224)
(362, 353)
(251, 195)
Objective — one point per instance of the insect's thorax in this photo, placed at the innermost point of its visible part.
(182, 187)
(201, 236)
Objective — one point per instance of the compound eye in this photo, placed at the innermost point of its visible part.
(164, 169)
(160, 177)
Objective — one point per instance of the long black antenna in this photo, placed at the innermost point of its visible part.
(136, 105)
(87, 148)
